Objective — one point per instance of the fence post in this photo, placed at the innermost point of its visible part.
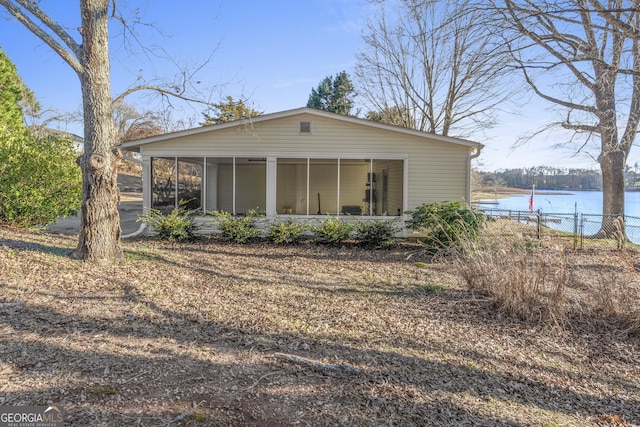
(575, 229)
(581, 231)
(539, 220)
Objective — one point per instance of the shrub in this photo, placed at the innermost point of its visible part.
(332, 231)
(287, 232)
(176, 226)
(446, 224)
(377, 234)
(241, 229)
(39, 180)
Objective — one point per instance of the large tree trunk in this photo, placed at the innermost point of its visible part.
(100, 221)
(612, 167)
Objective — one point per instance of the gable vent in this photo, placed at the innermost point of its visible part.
(305, 127)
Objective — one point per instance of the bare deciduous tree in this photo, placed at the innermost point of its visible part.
(438, 66)
(131, 124)
(100, 226)
(584, 56)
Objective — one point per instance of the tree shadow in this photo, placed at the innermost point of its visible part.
(166, 350)
(167, 358)
(24, 245)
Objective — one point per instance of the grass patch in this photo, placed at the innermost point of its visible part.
(430, 288)
(99, 390)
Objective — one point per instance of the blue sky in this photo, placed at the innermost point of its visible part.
(272, 52)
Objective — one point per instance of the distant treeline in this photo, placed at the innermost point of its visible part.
(552, 178)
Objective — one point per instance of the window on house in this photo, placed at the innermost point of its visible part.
(163, 183)
(344, 187)
(236, 185)
(388, 177)
(291, 190)
(250, 184)
(353, 175)
(303, 186)
(190, 172)
(219, 184)
(323, 186)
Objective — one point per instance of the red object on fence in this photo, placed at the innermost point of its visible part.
(531, 200)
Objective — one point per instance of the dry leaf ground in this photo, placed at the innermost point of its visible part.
(193, 334)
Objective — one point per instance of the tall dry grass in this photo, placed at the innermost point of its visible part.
(548, 285)
(618, 299)
(521, 278)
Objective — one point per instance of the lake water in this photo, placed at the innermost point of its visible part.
(587, 202)
(583, 202)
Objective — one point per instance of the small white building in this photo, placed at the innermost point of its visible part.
(304, 162)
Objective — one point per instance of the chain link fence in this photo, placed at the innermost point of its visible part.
(575, 230)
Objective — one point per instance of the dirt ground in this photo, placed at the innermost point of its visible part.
(213, 334)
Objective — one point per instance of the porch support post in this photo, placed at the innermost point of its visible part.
(147, 185)
(271, 186)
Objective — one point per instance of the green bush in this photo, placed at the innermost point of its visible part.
(240, 229)
(331, 231)
(287, 232)
(447, 224)
(177, 226)
(39, 179)
(377, 234)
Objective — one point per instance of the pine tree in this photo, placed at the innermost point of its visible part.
(333, 94)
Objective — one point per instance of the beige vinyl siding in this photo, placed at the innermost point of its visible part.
(437, 170)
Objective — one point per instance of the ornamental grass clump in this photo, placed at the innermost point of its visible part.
(617, 300)
(523, 280)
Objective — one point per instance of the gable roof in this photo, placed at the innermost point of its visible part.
(299, 111)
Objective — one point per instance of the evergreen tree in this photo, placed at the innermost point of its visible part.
(229, 111)
(393, 116)
(39, 177)
(12, 92)
(333, 94)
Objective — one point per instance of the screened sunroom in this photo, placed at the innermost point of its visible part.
(279, 185)
(303, 163)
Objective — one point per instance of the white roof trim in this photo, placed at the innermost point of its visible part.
(298, 111)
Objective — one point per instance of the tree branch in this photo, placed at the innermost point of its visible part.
(540, 39)
(607, 15)
(580, 128)
(158, 89)
(69, 56)
(553, 99)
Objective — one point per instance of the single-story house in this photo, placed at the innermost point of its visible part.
(304, 162)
